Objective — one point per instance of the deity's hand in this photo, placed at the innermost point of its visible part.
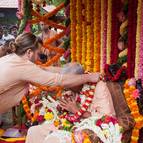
(69, 104)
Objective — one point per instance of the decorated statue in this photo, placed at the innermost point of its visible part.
(87, 110)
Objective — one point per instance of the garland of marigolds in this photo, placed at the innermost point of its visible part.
(73, 29)
(129, 91)
(79, 30)
(97, 5)
(84, 23)
(89, 32)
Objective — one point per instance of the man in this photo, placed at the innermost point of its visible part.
(18, 69)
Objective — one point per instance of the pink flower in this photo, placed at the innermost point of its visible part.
(98, 122)
(135, 93)
(40, 118)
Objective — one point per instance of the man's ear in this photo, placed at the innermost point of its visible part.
(29, 53)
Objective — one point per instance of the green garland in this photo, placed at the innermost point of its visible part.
(27, 15)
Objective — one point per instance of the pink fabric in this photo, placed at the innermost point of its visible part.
(102, 102)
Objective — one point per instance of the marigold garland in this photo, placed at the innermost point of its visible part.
(84, 38)
(78, 30)
(97, 19)
(56, 37)
(109, 26)
(132, 103)
(73, 29)
(138, 33)
(89, 32)
(101, 35)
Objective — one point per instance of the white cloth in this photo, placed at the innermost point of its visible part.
(8, 37)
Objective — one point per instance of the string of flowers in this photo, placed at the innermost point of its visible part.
(84, 38)
(101, 32)
(97, 18)
(103, 45)
(139, 10)
(109, 26)
(132, 19)
(56, 37)
(140, 74)
(73, 29)
(131, 93)
(92, 36)
(78, 30)
(89, 31)
(115, 31)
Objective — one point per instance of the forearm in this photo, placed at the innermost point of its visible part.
(53, 69)
(71, 80)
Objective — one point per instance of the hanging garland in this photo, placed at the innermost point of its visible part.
(131, 94)
(84, 36)
(115, 28)
(27, 15)
(138, 34)
(103, 35)
(140, 70)
(132, 15)
(89, 34)
(109, 27)
(73, 29)
(78, 30)
(97, 18)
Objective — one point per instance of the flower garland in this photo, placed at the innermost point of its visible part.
(84, 38)
(78, 30)
(97, 18)
(132, 19)
(106, 128)
(73, 29)
(115, 29)
(20, 12)
(139, 10)
(56, 37)
(109, 26)
(129, 92)
(89, 32)
(140, 75)
(117, 76)
(101, 35)
(88, 91)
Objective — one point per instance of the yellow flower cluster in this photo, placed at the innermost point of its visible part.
(128, 91)
(48, 116)
(138, 33)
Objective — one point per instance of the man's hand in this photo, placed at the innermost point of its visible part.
(94, 77)
(69, 104)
